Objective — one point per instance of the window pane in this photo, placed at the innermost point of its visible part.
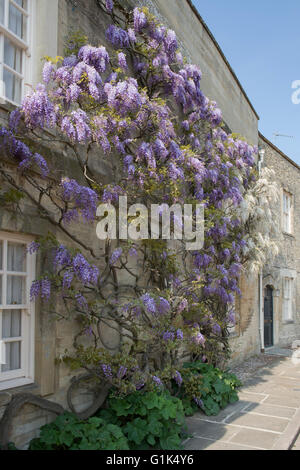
(11, 323)
(12, 55)
(17, 22)
(2, 11)
(16, 257)
(1, 255)
(13, 357)
(1, 277)
(12, 86)
(15, 290)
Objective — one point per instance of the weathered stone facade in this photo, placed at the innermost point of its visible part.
(53, 22)
(287, 263)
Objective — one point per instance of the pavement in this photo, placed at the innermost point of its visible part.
(267, 416)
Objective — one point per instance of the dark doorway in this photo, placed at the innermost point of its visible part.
(268, 317)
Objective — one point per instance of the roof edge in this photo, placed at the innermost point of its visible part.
(261, 136)
(196, 12)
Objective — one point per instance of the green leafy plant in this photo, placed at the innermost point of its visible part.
(68, 432)
(208, 387)
(148, 420)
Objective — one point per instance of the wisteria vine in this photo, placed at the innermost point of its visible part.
(136, 105)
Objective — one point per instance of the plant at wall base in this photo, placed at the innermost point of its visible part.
(137, 421)
(138, 109)
(68, 432)
(148, 420)
(208, 388)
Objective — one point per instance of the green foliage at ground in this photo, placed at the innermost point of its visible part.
(144, 419)
(214, 388)
(68, 432)
(148, 420)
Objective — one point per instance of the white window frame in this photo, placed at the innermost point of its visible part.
(287, 212)
(26, 46)
(25, 375)
(287, 301)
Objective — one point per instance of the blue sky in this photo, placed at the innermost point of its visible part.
(261, 40)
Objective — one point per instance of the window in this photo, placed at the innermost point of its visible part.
(14, 48)
(287, 299)
(287, 212)
(16, 312)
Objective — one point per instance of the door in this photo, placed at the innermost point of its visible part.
(268, 317)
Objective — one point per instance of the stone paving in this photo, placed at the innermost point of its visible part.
(267, 416)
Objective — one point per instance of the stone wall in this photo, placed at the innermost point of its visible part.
(245, 338)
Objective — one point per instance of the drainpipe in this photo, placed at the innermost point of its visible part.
(261, 313)
(261, 154)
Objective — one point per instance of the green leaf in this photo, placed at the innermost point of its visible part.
(171, 442)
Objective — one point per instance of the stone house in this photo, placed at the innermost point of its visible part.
(29, 30)
(280, 281)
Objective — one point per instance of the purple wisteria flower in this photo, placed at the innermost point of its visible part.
(111, 194)
(149, 303)
(33, 248)
(231, 318)
(122, 372)
(140, 385)
(168, 336)
(115, 256)
(199, 339)
(182, 306)
(68, 277)
(70, 61)
(86, 273)
(171, 44)
(117, 36)
(89, 331)
(140, 20)
(179, 334)
(21, 153)
(131, 35)
(84, 199)
(38, 109)
(122, 60)
(40, 288)
(198, 402)
(41, 163)
(178, 378)
(107, 371)
(62, 257)
(96, 57)
(163, 306)
(157, 381)
(109, 5)
(81, 301)
(133, 251)
(48, 72)
(14, 120)
(217, 330)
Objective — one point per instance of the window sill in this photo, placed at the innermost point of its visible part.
(7, 105)
(288, 322)
(15, 384)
